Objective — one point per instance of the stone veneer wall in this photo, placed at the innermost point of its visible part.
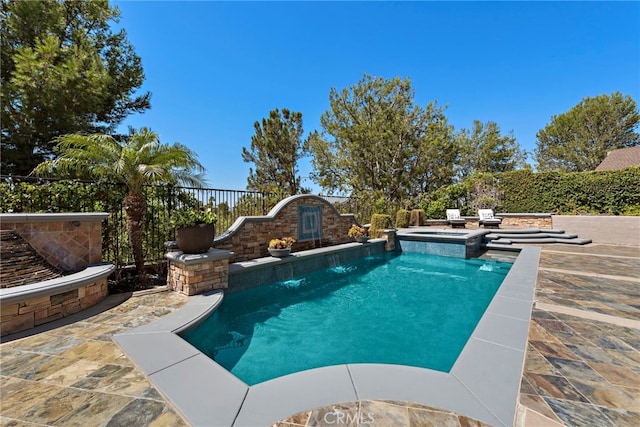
(526, 220)
(248, 238)
(23, 315)
(68, 241)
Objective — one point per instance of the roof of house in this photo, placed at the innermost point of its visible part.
(620, 159)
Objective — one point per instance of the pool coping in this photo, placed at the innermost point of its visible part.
(451, 234)
(483, 383)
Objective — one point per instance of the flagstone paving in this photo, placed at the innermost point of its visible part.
(75, 375)
(582, 364)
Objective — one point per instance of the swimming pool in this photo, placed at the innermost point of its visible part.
(411, 309)
(483, 383)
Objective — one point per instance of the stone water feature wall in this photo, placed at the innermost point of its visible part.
(67, 241)
(71, 242)
(309, 219)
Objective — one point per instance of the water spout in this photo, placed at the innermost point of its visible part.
(284, 272)
(333, 259)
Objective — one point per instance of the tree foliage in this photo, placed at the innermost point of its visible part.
(484, 149)
(437, 155)
(136, 162)
(276, 148)
(375, 141)
(63, 71)
(579, 139)
(139, 160)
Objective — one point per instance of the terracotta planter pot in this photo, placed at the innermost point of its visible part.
(196, 239)
(279, 253)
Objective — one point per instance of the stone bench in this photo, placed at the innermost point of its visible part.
(24, 307)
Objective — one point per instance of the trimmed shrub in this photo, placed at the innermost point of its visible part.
(379, 222)
(417, 217)
(403, 217)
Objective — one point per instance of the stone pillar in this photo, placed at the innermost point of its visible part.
(193, 274)
(390, 236)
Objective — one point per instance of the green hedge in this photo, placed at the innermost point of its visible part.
(597, 192)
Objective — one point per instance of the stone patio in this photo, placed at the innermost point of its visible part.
(582, 364)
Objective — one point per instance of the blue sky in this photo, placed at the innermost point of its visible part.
(214, 68)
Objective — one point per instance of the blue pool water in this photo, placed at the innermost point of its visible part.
(409, 309)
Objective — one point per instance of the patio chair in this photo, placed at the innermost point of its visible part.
(487, 219)
(454, 219)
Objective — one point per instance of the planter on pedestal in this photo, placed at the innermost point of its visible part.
(195, 239)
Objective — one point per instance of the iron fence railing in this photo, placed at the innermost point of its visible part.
(230, 204)
(32, 194)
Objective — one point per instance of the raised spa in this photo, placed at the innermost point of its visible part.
(459, 244)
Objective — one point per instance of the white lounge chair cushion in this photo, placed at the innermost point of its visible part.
(453, 214)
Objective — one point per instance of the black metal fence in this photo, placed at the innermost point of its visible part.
(30, 194)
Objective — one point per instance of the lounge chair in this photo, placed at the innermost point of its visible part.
(487, 219)
(454, 219)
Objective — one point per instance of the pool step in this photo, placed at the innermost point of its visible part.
(511, 231)
(575, 241)
(541, 235)
(531, 235)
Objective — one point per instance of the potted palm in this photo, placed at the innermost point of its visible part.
(194, 229)
(280, 247)
(358, 233)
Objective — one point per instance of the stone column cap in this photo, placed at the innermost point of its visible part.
(190, 259)
(53, 217)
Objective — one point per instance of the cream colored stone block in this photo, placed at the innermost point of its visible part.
(17, 324)
(34, 307)
(9, 309)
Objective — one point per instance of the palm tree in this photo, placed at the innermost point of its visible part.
(136, 162)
